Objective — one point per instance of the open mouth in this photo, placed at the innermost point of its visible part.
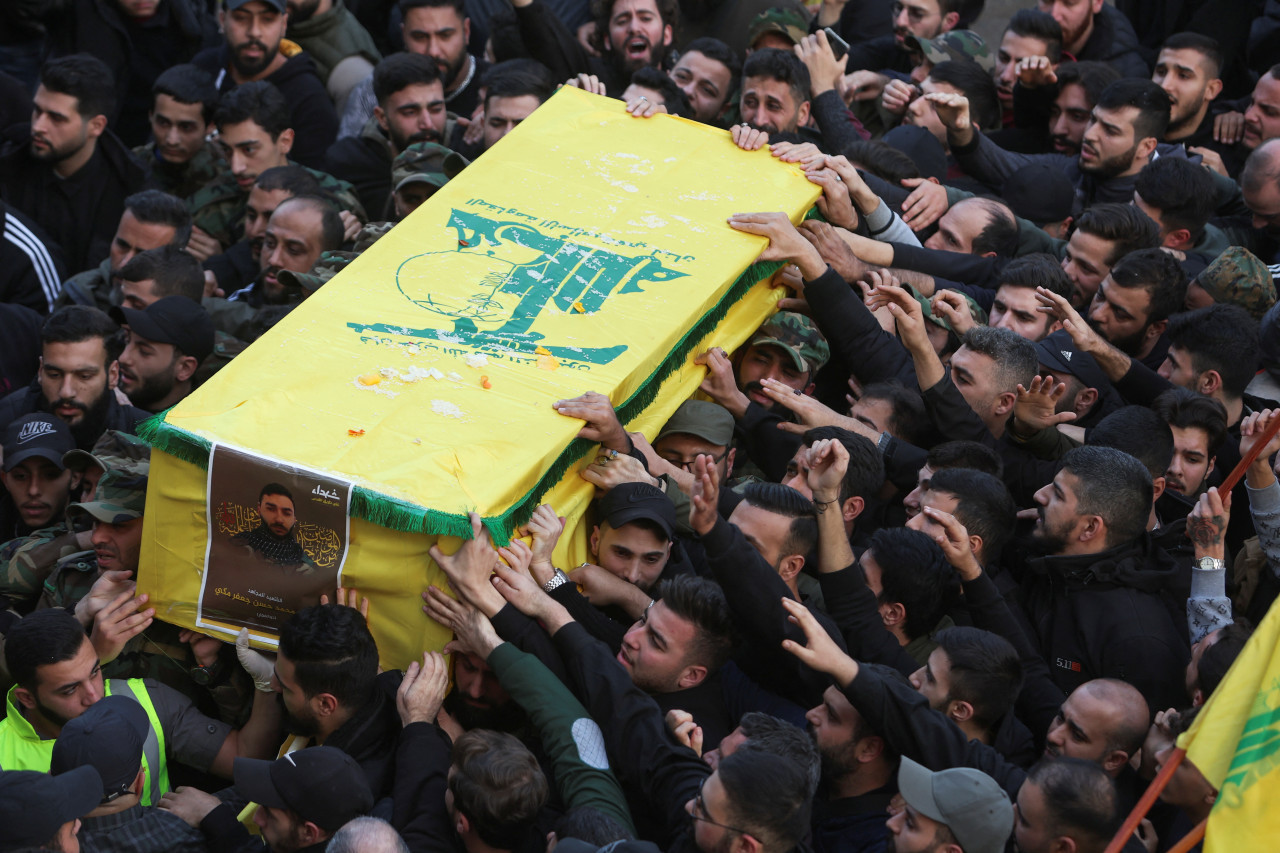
(637, 48)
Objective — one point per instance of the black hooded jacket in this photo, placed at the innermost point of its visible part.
(1111, 615)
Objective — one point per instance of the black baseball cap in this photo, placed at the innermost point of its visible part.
(278, 5)
(1039, 192)
(635, 501)
(39, 434)
(321, 784)
(109, 738)
(34, 806)
(1058, 353)
(173, 320)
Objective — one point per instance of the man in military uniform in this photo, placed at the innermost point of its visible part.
(28, 561)
(151, 219)
(182, 159)
(255, 135)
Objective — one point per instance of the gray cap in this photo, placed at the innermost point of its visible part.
(968, 802)
(706, 420)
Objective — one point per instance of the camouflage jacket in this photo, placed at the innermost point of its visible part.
(71, 579)
(184, 179)
(91, 287)
(28, 561)
(218, 209)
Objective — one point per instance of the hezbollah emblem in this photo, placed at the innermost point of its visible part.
(503, 274)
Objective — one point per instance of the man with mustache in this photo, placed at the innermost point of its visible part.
(924, 19)
(167, 342)
(274, 539)
(256, 49)
(1122, 136)
(78, 376)
(630, 34)
(68, 172)
(788, 348)
(411, 108)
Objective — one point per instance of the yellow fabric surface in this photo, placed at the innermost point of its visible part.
(1235, 743)
(575, 255)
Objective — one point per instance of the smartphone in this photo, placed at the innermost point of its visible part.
(838, 45)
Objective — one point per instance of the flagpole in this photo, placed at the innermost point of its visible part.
(1148, 797)
(1243, 465)
(1191, 839)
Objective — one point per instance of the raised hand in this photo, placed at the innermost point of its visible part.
(544, 527)
(422, 689)
(468, 569)
(951, 306)
(926, 203)
(704, 502)
(1035, 71)
(955, 543)
(1207, 524)
(720, 384)
(785, 242)
(833, 250)
(602, 424)
(1037, 407)
(820, 653)
(897, 96)
(834, 203)
(118, 623)
(828, 463)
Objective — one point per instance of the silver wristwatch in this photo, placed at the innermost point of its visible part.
(1210, 564)
(557, 580)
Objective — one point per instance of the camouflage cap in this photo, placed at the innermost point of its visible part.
(121, 497)
(796, 334)
(329, 265)
(789, 23)
(957, 44)
(1240, 278)
(427, 163)
(979, 315)
(113, 451)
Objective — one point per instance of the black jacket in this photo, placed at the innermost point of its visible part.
(135, 53)
(364, 161)
(1114, 42)
(315, 123)
(371, 734)
(755, 592)
(31, 399)
(550, 42)
(664, 774)
(81, 213)
(1111, 615)
(31, 265)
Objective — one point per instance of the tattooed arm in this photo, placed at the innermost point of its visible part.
(1208, 607)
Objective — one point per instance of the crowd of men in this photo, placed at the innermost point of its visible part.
(937, 561)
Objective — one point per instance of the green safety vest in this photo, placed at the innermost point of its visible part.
(22, 748)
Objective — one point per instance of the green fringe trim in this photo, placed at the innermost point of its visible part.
(397, 514)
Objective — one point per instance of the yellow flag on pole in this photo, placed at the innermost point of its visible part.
(1235, 743)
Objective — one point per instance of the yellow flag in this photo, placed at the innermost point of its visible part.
(588, 250)
(1235, 743)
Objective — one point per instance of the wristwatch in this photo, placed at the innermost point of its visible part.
(1211, 564)
(206, 676)
(557, 580)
